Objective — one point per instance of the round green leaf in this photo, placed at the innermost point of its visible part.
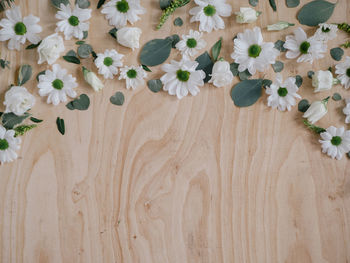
(117, 99)
(336, 97)
(337, 53)
(84, 50)
(83, 3)
(279, 46)
(163, 4)
(178, 22)
(57, 3)
(234, 69)
(310, 74)
(247, 92)
(298, 80)
(303, 105)
(244, 75)
(315, 12)
(80, 103)
(253, 2)
(155, 85)
(292, 3)
(278, 66)
(155, 52)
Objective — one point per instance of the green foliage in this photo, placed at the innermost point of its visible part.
(167, 12)
(117, 99)
(247, 92)
(155, 85)
(155, 52)
(206, 64)
(315, 12)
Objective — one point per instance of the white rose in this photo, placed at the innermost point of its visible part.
(92, 80)
(221, 75)
(18, 100)
(129, 37)
(323, 80)
(316, 111)
(279, 26)
(247, 15)
(50, 49)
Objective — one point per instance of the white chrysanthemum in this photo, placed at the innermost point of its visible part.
(309, 48)
(73, 23)
(346, 111)
(209, 12)
(282, 94)
(182, 77)
(9, 144)
(343, 72)
(57, 85)
(108, 63)
(335, 142)
(252, 53)
(119, 12)
(326, 32)
(134, 76)
(191, 43)
(18, 29)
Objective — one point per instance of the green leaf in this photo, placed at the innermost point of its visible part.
(310, 74)
(81, 103)
(247, 92)
(163, 4)
(24, 74)
(117, 99)
(10, 120)
(336, 97)
(145, 68)
(85, 34)
(234, 69)
(266, 83)
(100, 3)
(279, 46)
(80, 42)
(72, 59)
(253, 2)
(83, 3)
(155, 52)
(155, 85)
(21, 130)
(216, 49)
(113, 32)
(178, 22)
(39, 74)
(57, 3)
(35, 120)
(315, 12)
(4, 63)
(337, 53)
(72, 53)
(32, 46)
(244, 75)
(84, 50)
(60, 125)
(278, 66)
(292, 3)
(273, 5)
(206, 64)
(298, 80)
(174, 40)
(303, 105)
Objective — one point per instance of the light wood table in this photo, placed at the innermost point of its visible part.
(162, 180)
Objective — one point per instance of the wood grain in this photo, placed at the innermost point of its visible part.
(162, 180)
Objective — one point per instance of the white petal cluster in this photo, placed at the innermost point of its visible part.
(133, 75)
(9, 145)
(335, 142)
(222, 74)
(316, 111)
(346, 111)
(190, 44)
(129, 37)
(247, 15)
(322, 80)
(18, 100)
(343, 72)
(50, 49)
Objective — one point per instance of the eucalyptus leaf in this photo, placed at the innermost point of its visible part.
(155, 52)
(72, 53)
(310, 74)
(337, 53)
(278, 66)
(32, 46)
(298, 80)
(57, 3)
(117, 99)
(253, 2)
(83, 3)
(206, 64)
(174, 40)
(315, 12)
(292, 3)
(336, 97)
(4, 63)
(163, 4)
(267, 83)
(279, 46)
(303, 105)
(81, 103)
(84, 50)
(24, 74)
(247, 92)
(244, 75)
(234, 69)
(60, 125)
(10, 120)
(216, 49)
(155, 85)
(100, 3)
(71, 59)
(178, 22)
(85, 34)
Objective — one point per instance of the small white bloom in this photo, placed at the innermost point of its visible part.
(343, 72)
(191, 43)
(18, 29)
(119, 12)
(50, 49)
(222, 75)
(18, 100)
(323, 80)
(129, 37)
(73, 23)
(282, 94)
(91, 78)
(309, 48)
(9, 144)
(326, 32)
(182, 77)
(316, 111)
(335, 142)
(346, 111)
(209, 12)
(56, 84)
(134, 76)
(279, 26)
(247, 15)
(252, 53)
(108, 63)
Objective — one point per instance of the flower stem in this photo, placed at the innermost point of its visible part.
(314, 128)
(170, 10)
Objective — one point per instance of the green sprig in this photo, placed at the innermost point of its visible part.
(314, 128)
(21, 130)
(346, 44)
(4, 4)
(345, 27)
(170, 10)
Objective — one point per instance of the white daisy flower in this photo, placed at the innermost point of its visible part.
(57, 85)
(73, 22)
(9, 144)
(182, 77)
(119, 12)
(326, 32)
(343, 72)
(346, 111)
(282, 94)
(134, 76)
(18, 29)
(108, 63)
(309, 48)
(252, 53)
(191, 43)
(209, 12)
(335, 142)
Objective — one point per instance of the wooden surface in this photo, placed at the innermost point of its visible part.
(162, 180)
